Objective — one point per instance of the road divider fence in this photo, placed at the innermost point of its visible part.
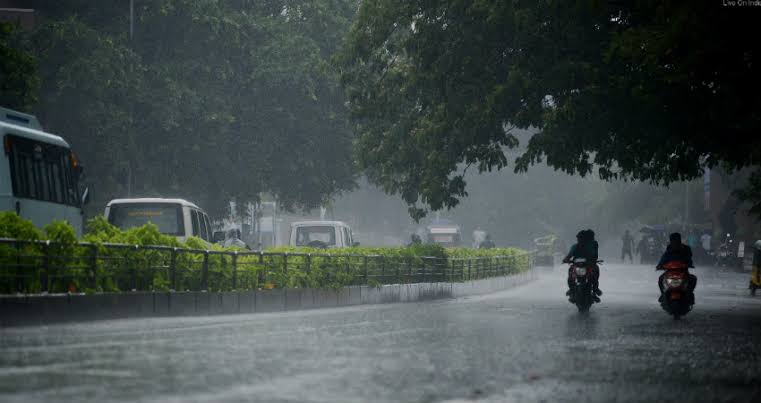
(45, 267)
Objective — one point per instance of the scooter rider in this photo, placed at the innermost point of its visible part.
(585, 247)
(676, 250)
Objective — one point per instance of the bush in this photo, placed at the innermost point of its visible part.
(143, 258)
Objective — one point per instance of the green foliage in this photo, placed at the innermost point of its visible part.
(116, 260)
(61, 232)
(18, 79)
(644, 90)
(13, 226)
(208, 100)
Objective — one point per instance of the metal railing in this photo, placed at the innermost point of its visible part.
(49, 267)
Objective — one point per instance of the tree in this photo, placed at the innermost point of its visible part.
(209, 100)
(18, 79)
(642, 90)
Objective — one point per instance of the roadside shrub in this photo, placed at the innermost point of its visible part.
(144, 259)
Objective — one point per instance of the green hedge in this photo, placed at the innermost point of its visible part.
(98, 266)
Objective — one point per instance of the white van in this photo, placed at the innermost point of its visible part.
(175, 217)
(322, 234)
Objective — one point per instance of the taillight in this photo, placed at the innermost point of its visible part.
(7, 143)
(74, 161)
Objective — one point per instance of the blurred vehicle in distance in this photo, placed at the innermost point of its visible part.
(322, 234)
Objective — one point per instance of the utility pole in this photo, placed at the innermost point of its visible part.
(131, 33)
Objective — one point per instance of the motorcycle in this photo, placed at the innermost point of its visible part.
(677, 297)
(581, 276)
(725, 255)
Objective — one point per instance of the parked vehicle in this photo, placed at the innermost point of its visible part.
(175, 217)
(322, 234)
(677, 297)
(444, 233)
(581, 275)
(39, 174)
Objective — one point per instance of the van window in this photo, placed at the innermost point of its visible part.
(347, 239)
(209, 232)
(324, 234)
(168, 217)
(204, 226)
(195, 223)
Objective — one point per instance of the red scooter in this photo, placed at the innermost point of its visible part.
(677, 297)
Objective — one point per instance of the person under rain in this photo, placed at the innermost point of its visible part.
(755, 274)
(626, 248)
(585, 247)
(678, 251)
(232, 239)
(415, 240)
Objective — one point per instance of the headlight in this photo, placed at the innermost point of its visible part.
(674, 282)
(581, 271)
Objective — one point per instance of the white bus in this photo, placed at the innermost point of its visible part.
(38, 173)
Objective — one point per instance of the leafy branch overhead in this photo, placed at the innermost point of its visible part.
(644, 90)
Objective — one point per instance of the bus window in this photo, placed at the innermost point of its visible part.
(195, 222)
(42, 171)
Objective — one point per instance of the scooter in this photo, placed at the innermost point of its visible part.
(581, 276)
(677, 299)
(726, 255)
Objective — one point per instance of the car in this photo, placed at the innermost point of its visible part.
(322, 234)
(443, 232)
(176, 217)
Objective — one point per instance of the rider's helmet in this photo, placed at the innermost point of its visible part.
(580, 235)
(675, 237)
(757, 245)
(590, 235)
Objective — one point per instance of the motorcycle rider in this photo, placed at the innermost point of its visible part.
(678, 251)
(585, 247)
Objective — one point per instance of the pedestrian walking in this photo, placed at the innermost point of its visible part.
(626, 248)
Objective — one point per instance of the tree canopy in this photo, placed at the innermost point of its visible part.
(18, 78)
(208, 100)
(642, 90)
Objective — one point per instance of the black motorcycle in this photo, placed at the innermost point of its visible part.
(726, 254)
(581, 276)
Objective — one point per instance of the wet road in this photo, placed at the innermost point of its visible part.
(526, 344)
